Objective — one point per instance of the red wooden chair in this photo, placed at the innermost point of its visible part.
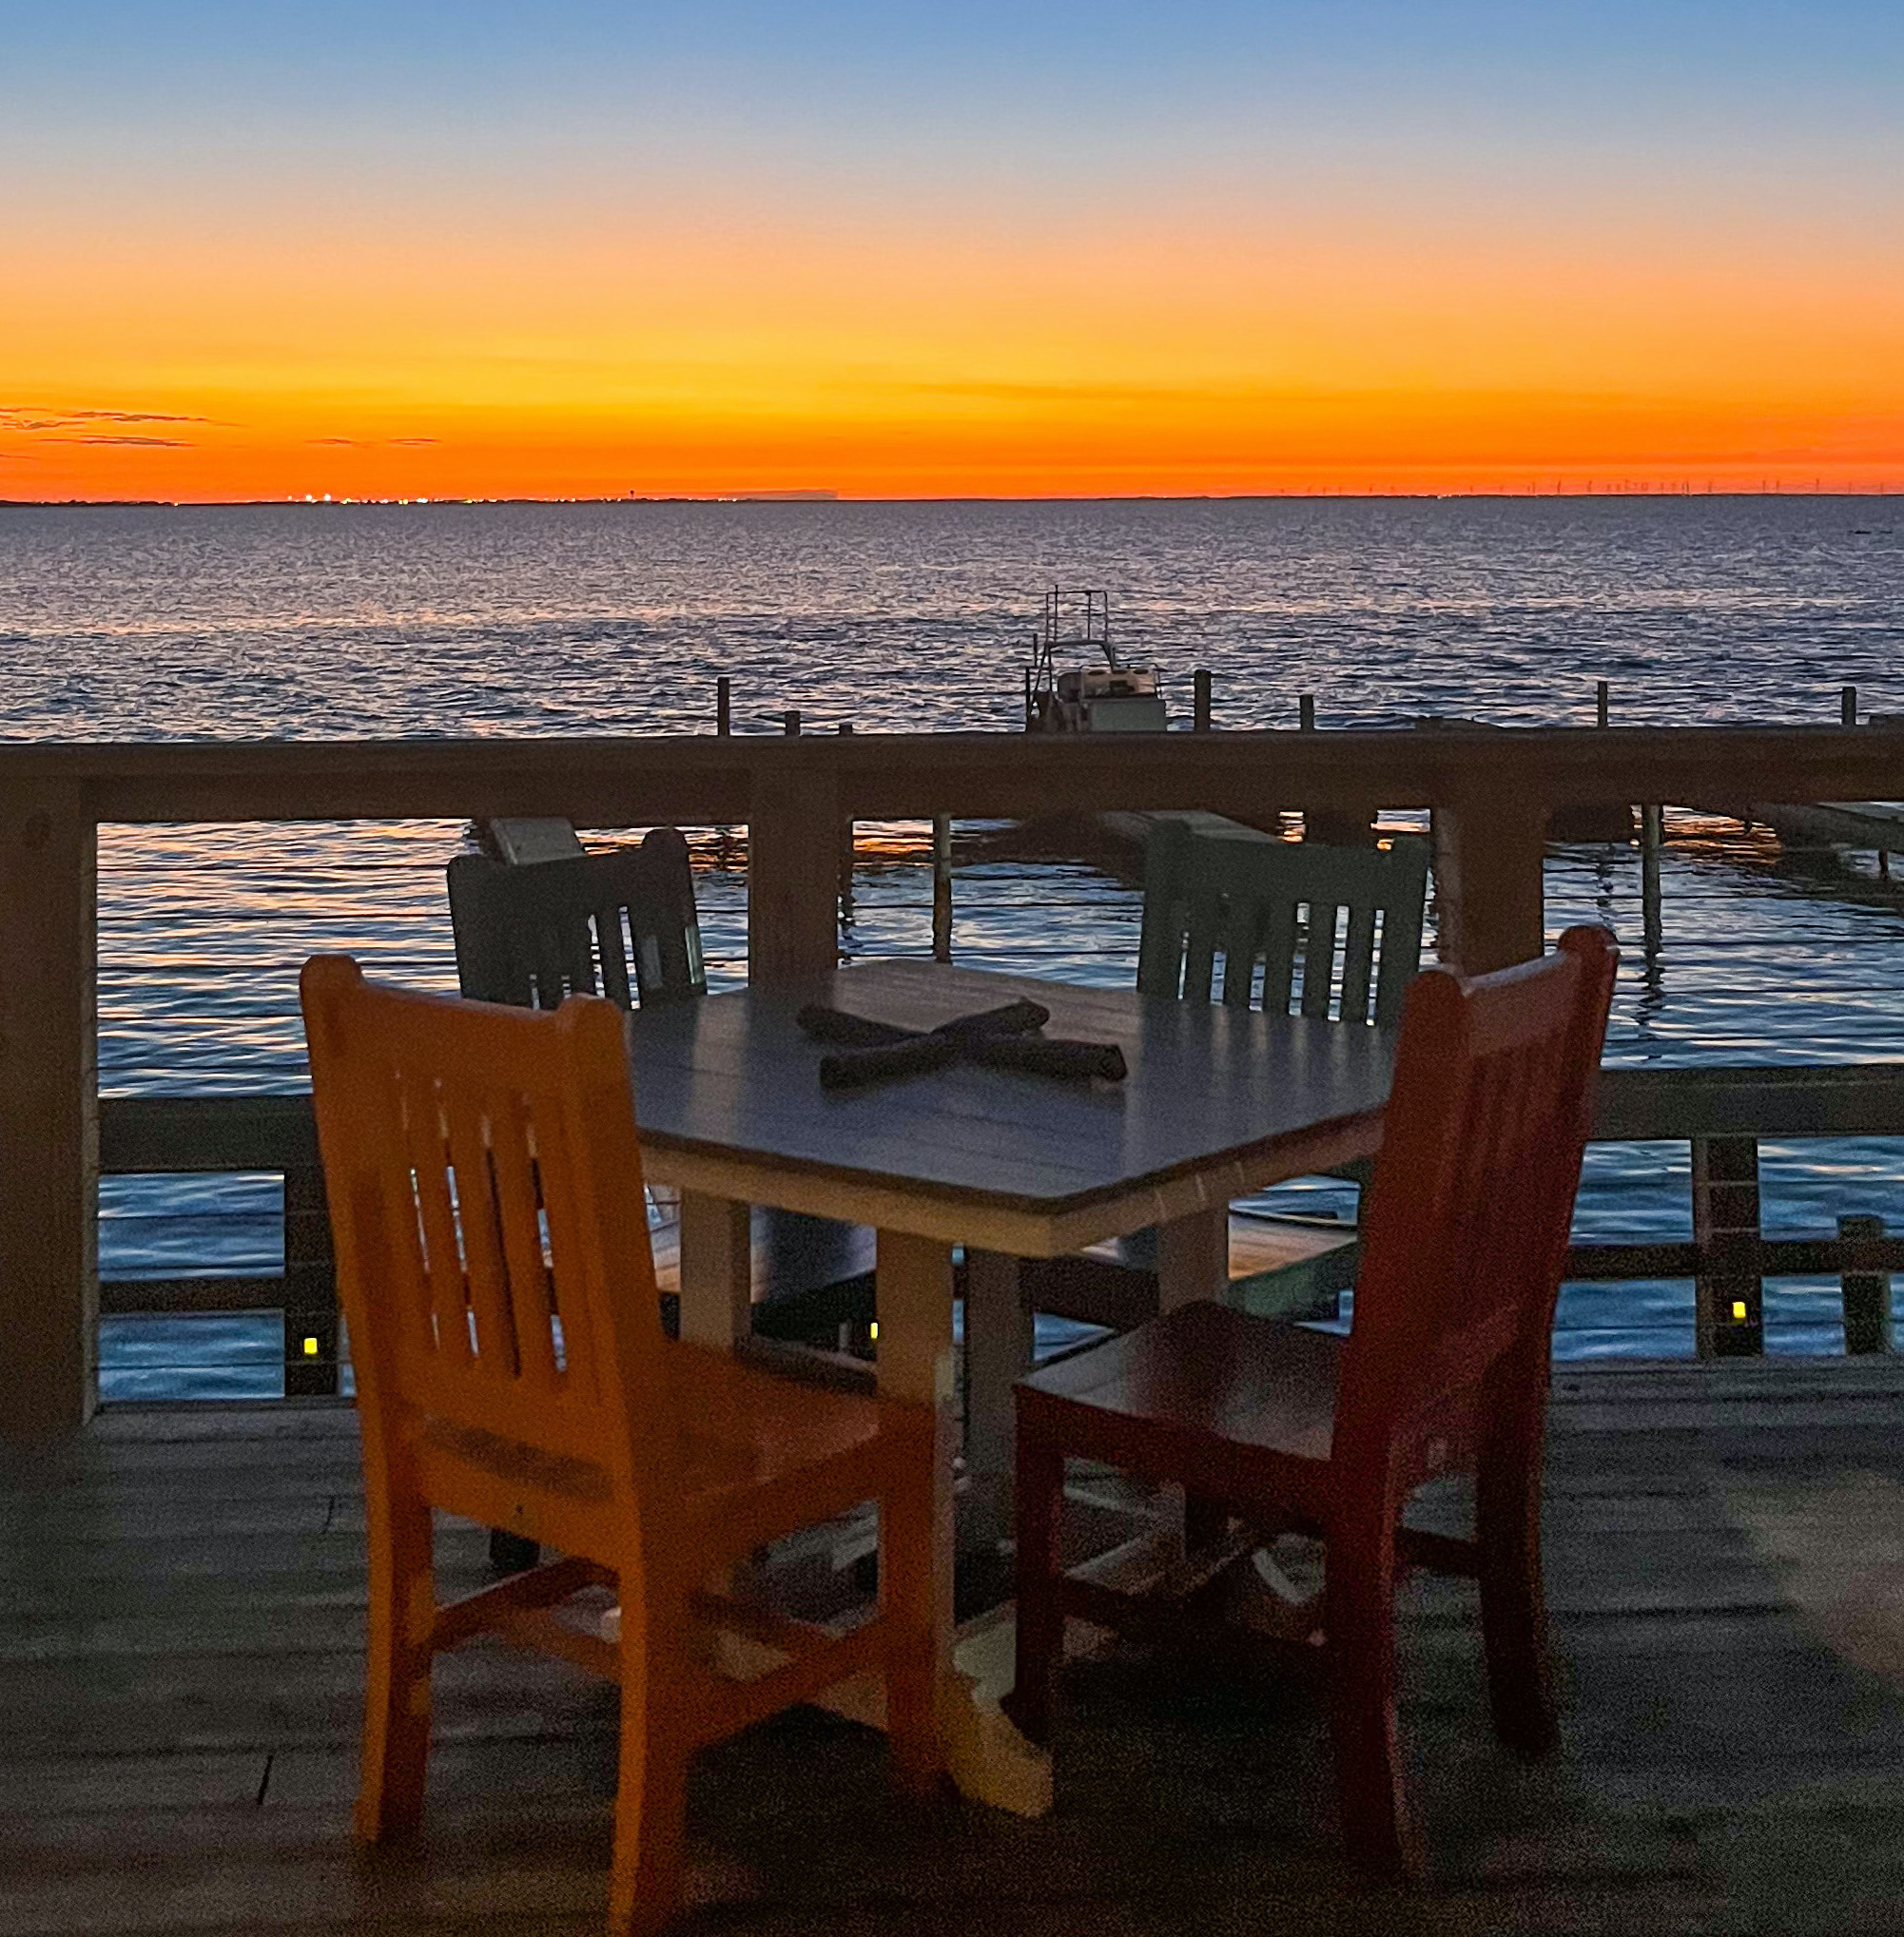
(485, 1186)
(1446, 1371)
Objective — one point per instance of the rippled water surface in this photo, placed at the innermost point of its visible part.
(332, 622)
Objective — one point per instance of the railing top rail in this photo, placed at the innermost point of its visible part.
(704, 777)
(254, 1132)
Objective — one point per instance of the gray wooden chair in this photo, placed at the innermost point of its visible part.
(1252, 921)
(622, 923)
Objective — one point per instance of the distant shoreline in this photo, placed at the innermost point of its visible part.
(808, 500)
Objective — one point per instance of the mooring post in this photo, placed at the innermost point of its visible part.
(846, 848)
(789, 724)
(1847, 706)
(723, 713)
(1601, 697)
(1305, 712)
(941, 887)
(1200, 715)
(1865, 1287)
(1652, 831)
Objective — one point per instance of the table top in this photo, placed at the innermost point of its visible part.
(1218, 1102)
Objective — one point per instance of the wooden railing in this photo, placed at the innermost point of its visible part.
(1714, 1110)
(1491, 793)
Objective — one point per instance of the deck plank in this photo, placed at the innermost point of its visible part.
(180, 1673)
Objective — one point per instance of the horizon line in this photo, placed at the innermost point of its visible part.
(808, 500)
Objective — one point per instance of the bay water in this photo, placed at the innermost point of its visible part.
(356, 621)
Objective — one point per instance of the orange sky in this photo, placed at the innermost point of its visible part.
(205, 329)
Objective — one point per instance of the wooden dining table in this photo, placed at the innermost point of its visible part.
(1007, 1164)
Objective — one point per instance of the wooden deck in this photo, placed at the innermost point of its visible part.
(180, 1679)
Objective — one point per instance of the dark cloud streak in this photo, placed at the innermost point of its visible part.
(41, 417)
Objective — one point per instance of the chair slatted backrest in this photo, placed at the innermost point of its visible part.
(620, 924)
(1269, 923)
(492, 1259)
(1466, 1236)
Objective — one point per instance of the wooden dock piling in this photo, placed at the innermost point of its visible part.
(941, 887)
(1200, 687)
(846, 850)
(723, 713)
(1652, 834)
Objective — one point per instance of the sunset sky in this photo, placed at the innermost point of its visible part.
(253, 250)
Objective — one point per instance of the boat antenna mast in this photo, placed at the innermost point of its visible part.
(1074, 620)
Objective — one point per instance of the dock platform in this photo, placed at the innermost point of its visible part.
(180, 1674)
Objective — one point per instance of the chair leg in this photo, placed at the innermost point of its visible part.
(650, 1811)
(1379, 1829)
(1513, 1600)
(1040, 1612)
(397, 1692)
(912, 1653)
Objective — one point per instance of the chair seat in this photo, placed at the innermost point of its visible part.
(1201, 1383)
(754, 1449)
(745, 1427)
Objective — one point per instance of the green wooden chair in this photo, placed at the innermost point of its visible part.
(1244, 918)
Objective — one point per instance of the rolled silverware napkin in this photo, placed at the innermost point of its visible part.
(861, 1032)
(1053, 1056)
(852, 1069)
(1004, 1037)
(835, 1025)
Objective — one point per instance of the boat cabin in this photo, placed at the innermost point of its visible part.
(1119, 696)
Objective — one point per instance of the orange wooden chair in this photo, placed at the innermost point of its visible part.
(485, 1186)
(1271, 1428)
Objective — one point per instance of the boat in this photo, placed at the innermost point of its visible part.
(1120, 696)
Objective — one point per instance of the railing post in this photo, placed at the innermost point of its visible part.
(793, 875)
(1866, 1287)
(1488, 853)
(310, 1287)
(1199, 717)
(49, 1112)
(1731, 1314)
(724, 710)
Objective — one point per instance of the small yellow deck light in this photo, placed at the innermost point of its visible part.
(1738, 1311)
(873, 1330)
(311, 1348)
